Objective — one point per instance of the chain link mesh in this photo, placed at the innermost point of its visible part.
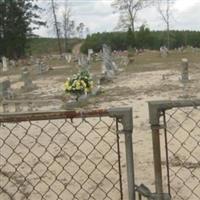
(60, 159)
(182, 126)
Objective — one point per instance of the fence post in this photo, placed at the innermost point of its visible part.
(154, 115)
(125, 114)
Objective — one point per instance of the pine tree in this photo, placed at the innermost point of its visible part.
(130, 36)
(17, 21)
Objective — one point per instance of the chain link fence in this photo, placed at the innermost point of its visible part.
(176, 143)
(67, 155)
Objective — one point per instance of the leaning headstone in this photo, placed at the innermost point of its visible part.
(5, 90)
(26, 78)
(184, 70)
(107, 58)
(5, 64)
(90, 52)
(109, 67)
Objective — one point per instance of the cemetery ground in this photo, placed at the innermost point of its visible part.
(149, 77)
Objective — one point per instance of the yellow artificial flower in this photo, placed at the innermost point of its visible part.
(66, 85)
(74, 83)
(78, 87)
(78, 83)
(83, 83)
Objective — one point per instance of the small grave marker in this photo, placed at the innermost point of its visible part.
(5, 89)
(41, 67)
(5, 64)
(68, 57)
(26, 78)
(184, 70)
(90, 52)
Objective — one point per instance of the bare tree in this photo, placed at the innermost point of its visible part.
(68, 24)
(56, 24)
(80, 29)
(164, 9)
(128, 10)
(87, 31)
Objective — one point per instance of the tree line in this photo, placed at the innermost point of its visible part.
(19, 19)
(142, 39)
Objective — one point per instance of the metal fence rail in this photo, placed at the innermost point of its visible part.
(66, 155)
(178, 148)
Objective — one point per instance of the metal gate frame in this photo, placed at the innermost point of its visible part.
(122, 115)
(156, 111)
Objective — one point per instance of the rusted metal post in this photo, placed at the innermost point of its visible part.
(154, 115)
(156, 108)
(157, 162)
(130, 166)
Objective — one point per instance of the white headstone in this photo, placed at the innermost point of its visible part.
(164, 51)
(68, 57)
(109, 67)
(184, 71)
(90, 52)
(5, 64)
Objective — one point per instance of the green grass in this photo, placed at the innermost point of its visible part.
(44, 46)
(151, 60)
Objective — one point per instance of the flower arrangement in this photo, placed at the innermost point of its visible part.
(80, 83)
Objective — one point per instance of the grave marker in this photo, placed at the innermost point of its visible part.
(184, 70)
(41, 67)
(5, 64)
(68, 57)
(164, 51)
(26, 78)
(109, 68)
(5, 90)
(90, 52)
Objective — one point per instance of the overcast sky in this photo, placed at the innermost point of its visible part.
(99, 16)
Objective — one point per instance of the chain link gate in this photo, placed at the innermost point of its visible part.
(176, 148)
(67, 155)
